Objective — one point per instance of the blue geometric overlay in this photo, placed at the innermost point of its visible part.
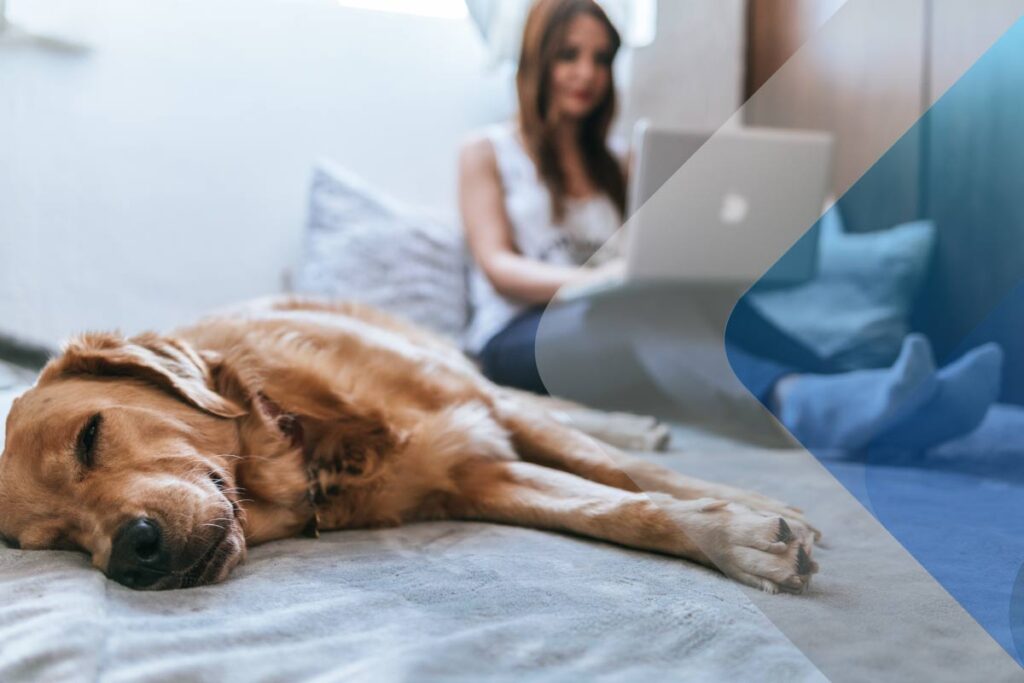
(950, 488)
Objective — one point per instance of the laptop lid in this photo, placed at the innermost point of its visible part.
(744, 200)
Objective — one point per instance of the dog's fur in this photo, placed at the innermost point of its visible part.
(268, 421)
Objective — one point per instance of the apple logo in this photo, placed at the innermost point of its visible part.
(734, 209)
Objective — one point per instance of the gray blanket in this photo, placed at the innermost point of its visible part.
(458, 601)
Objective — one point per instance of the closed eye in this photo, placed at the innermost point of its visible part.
(85, 446)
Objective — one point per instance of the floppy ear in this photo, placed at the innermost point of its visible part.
(169, 363)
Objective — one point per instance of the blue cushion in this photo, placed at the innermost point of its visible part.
(856, 309)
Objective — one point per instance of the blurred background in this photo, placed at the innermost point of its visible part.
(155, 158)
(162, 168)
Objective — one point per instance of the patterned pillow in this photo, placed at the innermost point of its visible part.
(364, 246)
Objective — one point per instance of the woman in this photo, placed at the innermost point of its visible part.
(541, 194)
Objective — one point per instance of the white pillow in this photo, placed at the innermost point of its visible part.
(364, 246)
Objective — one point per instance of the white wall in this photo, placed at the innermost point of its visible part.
(164, 173)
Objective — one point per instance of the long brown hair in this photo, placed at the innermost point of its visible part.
(546, 27)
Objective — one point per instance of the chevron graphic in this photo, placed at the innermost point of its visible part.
(924, 553)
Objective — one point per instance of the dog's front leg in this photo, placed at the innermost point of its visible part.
(542, 440)
(263, 521)
(760, 549)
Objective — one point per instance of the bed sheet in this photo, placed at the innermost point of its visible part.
(468, 601)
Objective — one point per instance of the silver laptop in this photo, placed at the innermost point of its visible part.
(747, 196)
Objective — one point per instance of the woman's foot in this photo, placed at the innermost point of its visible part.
(848, 410)
(966, 389)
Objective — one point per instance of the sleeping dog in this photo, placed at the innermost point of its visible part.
(165, 457)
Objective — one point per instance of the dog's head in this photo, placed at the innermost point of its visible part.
(123, 450)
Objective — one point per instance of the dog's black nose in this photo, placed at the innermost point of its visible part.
(138, 557)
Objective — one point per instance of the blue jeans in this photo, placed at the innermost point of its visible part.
(509, 358)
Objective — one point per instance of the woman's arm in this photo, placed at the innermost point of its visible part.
(481, 202)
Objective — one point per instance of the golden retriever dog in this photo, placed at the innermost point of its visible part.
(165, 457)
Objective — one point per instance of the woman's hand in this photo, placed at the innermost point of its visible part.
(613, 270)
(586, 279)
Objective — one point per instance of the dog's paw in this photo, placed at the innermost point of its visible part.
(760, 548)
(766, 504)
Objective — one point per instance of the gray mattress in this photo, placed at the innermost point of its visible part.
(458, 601)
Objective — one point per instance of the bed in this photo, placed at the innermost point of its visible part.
(460, 601)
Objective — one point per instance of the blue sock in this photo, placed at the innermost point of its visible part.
(848, 410)
(966, 390)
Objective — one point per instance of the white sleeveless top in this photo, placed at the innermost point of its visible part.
(588, 224)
